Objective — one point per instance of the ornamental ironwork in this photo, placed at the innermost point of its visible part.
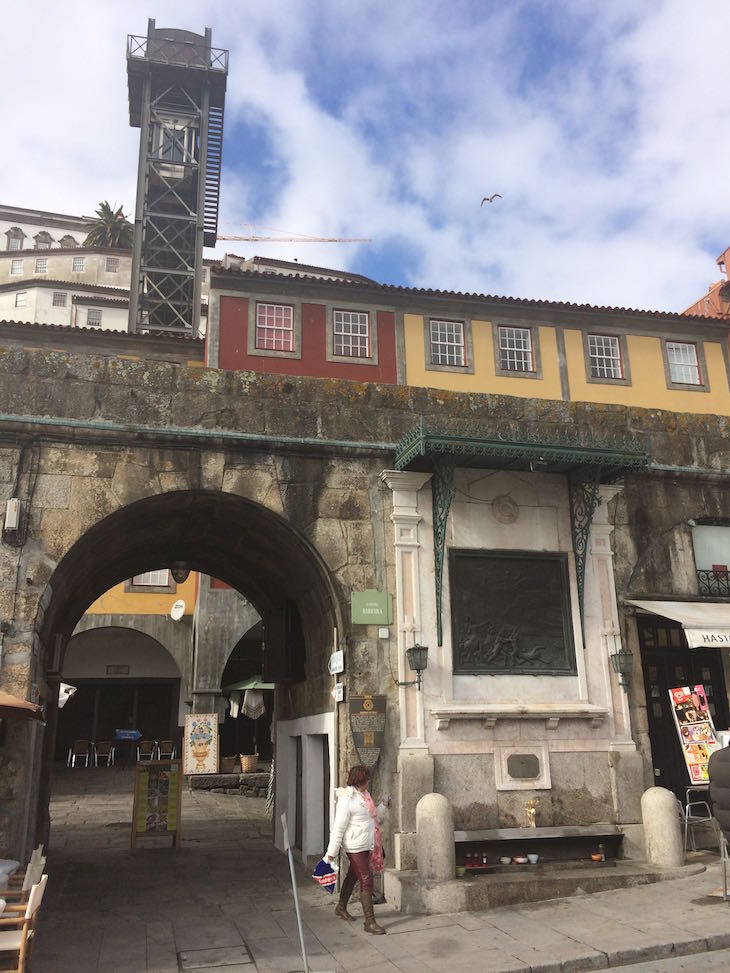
(584, 496)
(442, 492)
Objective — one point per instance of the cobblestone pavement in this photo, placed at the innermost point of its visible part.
(223, 902)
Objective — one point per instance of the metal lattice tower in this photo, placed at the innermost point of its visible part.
(177, 91)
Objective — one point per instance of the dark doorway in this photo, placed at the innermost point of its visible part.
(667, 663)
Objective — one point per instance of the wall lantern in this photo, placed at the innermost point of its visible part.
(417, 657)
(622, 659)
(179, 571)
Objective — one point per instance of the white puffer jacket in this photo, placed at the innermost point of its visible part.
(354, 827)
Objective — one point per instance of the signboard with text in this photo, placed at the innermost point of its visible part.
(367, 723)
(157, 800)
(371, 607)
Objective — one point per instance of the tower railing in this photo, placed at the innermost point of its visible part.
(179, 53)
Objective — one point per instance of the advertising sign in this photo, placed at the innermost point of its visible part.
(367, 723)
(200, 744)
(157, 800)
(696, 731)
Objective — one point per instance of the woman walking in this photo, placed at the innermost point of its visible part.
(357, 831)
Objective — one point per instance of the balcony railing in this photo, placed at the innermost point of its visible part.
(178, 52)
(714, 583)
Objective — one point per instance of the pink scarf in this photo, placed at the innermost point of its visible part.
(377, 861)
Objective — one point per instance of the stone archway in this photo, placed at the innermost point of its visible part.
(222, 535)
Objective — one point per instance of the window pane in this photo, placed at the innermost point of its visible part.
(152, 579)
(683, 367)
(515, 350)
(78, 264)
(275, 327)
(21, 298)
(351, 334)
(41, 265)
(14, 243)
(605, 356)
(447, 343)
(16, 266)
(59, 298)
(112, 265)
(93, 317)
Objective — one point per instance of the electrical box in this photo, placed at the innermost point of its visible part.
(12, 514)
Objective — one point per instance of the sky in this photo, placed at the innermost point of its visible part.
(604, 127)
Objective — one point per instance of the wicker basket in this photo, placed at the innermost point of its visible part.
(249, 763)
(229, 765)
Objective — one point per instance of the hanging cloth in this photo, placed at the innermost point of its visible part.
(253, 704)
(235, 698)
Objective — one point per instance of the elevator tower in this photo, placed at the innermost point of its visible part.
(177, 91)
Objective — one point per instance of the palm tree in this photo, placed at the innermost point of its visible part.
(110, 229)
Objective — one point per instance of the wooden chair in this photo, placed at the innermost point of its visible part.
(17, 932)
(18, 877)
(166, 750)
(146, 749)
(16, 898)
(81, 750)
(104, 753)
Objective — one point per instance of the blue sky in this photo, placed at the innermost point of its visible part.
(604, 127)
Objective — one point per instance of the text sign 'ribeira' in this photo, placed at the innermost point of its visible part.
(371, 607)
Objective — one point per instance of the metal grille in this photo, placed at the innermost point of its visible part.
(16, 266)
(78, 265)
(59, 298)
(274, 327)
(93, 317)
(515, 350)
(605, 356)
(683, 366)
(713, 583)
(41, 265)
(351, 334)
(447, 343)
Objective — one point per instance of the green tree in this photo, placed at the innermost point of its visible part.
(111, 228)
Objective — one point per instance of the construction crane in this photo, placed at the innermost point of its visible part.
(293, 238)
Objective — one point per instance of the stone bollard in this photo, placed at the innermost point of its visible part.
(662, 831)
(435, 838)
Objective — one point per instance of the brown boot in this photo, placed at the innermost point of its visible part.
(366, 897)
(345, 892)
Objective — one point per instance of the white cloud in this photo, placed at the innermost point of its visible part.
(607, 132)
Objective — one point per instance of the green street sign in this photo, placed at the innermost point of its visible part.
(371, 607)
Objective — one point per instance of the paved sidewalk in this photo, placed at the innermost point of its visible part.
(223, 902)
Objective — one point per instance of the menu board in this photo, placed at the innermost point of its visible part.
(157, 800)
(696, 731)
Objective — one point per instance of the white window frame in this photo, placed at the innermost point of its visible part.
(21, 299)
(447, 343)
(111, 265)
(41, 265)
(350, 333)
(684, 372)
(604, 356)
(59, 299)
(152, 579)
(516, 350)
(93, 317)
(16, 266)
(15, 243)
(263, 308)
(78, 265)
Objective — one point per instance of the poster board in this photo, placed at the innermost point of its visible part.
(367, 725)
(200, 744)
(696, 730)
(157, 800)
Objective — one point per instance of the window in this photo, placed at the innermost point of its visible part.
(152, 579)
(93, 317)
(43, 240)
(78, 265)
(515, 350)
(14, 243)
(275, 327)
(21, 298)
(447, 343)
(604, 353)
(15, 238)
(16, 266)
(59, 298)
(112, 265)
(684, 368)
(41, 265)
(351, 334)
(67, 241)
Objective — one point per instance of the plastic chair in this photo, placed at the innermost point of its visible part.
(166, 750)
(104, 752)
(81, 750)
(146, 750)
(18, 932)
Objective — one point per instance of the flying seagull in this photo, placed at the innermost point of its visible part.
(488, 199)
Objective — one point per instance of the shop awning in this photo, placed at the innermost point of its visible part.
(706, 626)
